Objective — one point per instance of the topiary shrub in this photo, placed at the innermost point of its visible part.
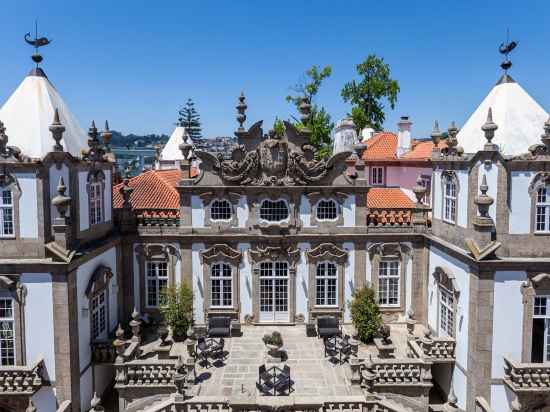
(274, 338)
(365, 313)
(177, 308)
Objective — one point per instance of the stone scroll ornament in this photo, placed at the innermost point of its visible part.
(275, 161)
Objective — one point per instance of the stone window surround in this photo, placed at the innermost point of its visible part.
(449, 174)
(96, 176)
(255, 201)
(209, 197)
(536, 285)
(443, 277)
(338, 198)
(326, 252)
(155, 252)
(99, 282)
(384, 251)
(540, 179)
(272, 253)
(221, 253)
(8, 181)
(10, 286)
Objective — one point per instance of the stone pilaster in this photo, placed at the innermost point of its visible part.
(419, 293)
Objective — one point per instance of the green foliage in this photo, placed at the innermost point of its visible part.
(279, 127)
(365, 313)
(368, 95)
(319, 123)
(275, 339)
(189, 118)
(177, 308)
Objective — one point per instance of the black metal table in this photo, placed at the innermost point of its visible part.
(276, 378)
(339, 345)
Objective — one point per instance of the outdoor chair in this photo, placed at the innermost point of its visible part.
(265, 383)
(217, 351)
(203, 351)
(330, 348)
(345, 353)
(284, 382)
(327, 327)
(219, 326)
(192, 352)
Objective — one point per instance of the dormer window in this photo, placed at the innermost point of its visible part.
(6, 214)
(326, 210)
(274, 210)
(220, 210)
(543, 209)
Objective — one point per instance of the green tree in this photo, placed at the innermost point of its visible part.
(177, 308)
(368, 95)
(365, 313)
(189, 118)
(319, 123)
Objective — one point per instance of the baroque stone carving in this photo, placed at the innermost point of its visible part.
(99, 280)
(282, 252)
(327, 251)
(221, 252)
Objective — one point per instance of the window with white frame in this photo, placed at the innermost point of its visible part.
(156, 282)
(427, 183)
(99, 315)
(377, 175)
(326, 284)
(7, 332)
(540, 348)
(221, 285)
(327, 209)
(542, 209)
(389, 283)
(220, 210)
(446, 312)
(449, 199)
(6, 214)
(95, 198)
(274, 210)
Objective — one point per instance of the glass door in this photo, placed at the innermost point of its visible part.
(274, 292)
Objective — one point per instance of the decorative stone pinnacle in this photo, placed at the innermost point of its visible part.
(57, 130)
(546, 136)
(241, 112)
(61, 202)
(452, 399)
(95, 403)
(483, 202)
(31, 407)
(419, 190)
(119, 333)
(489, 127)
(452, 141)
(185, 147)
(135, 314)
(3, 138)
(107, 135)
(305, 111)
(436, 135)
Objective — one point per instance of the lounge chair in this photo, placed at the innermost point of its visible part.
(327, 327)
(219, 326)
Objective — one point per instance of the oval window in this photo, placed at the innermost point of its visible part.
(274, 210)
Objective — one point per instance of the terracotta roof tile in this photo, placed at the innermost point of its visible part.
(388, 198)
(422, 150)
(382, 146)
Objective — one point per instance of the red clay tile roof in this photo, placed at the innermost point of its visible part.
(422, 150)
(388, 198)
(383, 146)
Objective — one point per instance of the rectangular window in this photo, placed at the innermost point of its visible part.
(99, 316)
(446, 312)
(377, 175)
(389, 283)
(96, 203)
(326, 284)
(427, 183)
(156, 273)
(542, 211)
(450, 200)
(7, 332)
(541, 330)
(6, 214)
(221, 283)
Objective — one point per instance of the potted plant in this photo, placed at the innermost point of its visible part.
(365, 313)
(274, 343)
(177, 309)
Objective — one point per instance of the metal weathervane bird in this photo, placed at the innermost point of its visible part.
(37, 42)
(505, 49)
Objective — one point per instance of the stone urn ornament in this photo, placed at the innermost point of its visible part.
(163, 334)
(274, 344)
(385, 332)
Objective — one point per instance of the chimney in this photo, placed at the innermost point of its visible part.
(404, 136)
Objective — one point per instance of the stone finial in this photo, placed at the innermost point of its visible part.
(452, 141)
(305, 111)
(3, 138)
(126, 191)
(61, 202)
(57, 130)
(419, 190)
(436, 135)
(489, 128)
(135, 324)
(31, 407)
(185, 147)
(483, 201)
(451, 398)
(119, 343)
(546, 136)
(158, 149)
(95, 403)
(93, 140)
(241, 112)
(106, 135)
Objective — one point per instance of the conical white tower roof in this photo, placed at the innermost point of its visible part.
(171, 150)
(29, 112)
(518, 116)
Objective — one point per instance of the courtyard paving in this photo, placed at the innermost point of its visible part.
(312, 373)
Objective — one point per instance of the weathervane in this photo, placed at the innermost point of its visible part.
(36, 43)
(506, 48)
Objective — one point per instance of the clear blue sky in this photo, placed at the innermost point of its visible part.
(135, 62)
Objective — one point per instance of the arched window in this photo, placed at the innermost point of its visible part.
(446, 312)
(99, 315)
(6, 214)
(542, 209)
(450, 191)
(220, 210)
(274, 210)
(326, 281)
(221, 285)
(326, 210)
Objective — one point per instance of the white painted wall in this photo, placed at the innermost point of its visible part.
(242, 211)
(197, 212)
(462, 202)
(349, 284)
(501, 398)
(198, 287)
(107, 196)
(245, 282)
(305, 211)
(460, 388)
(55, 174)
(348, 211)
(520, 202)
(86, 389)
(44, 399)
(28, 205)
(83, 200)
(507, 316)
(302, 281)
(408, 284)
(491, 172)
(405, 176)
(39, 324)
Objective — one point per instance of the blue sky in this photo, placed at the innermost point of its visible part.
(135, 62)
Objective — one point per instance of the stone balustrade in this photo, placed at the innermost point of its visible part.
(434, 349)
(526, 377)
(397, 372)
(103, 352)
(387, 217)
(21, 380)
(143, 373)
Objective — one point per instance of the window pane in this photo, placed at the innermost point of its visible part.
(326, 210)
(6, 197)
(220, 210)
(274, 211)
(537, 342)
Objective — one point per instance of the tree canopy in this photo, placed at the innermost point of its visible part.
(189, 118)
(368, 95)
